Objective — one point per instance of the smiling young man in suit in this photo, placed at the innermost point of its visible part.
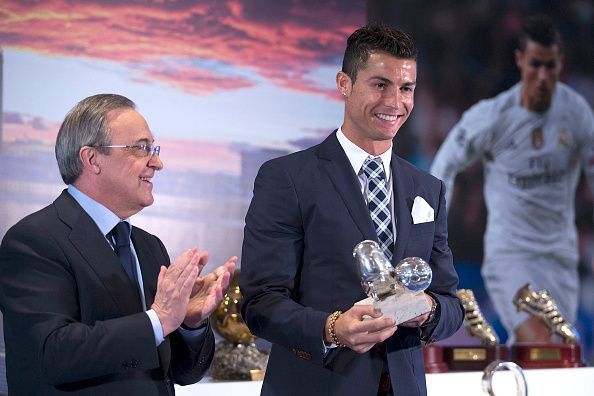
(88, 310)
(311, 208)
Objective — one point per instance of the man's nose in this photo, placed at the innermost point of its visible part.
(542, 73)
(155, 162)
(394, 99)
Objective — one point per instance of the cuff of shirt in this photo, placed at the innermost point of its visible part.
(157, 328)
(193, 335)
(328, 348)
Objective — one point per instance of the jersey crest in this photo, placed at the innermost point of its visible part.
(537, 138)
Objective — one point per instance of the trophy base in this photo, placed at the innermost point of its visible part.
(473, 358)
(238, 362)
(401, 307)
(434, 360)
(535, 355)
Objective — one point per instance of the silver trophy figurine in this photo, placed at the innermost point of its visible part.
(501, 365)
(396, 292)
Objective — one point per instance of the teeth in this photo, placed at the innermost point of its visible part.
(386, 117)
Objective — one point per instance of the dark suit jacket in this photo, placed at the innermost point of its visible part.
(72, 321)
(297, 267)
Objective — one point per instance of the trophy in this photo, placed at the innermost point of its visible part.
(546, 355)
(469, 358)
(236, 357)
(500, 365)
(396, 292)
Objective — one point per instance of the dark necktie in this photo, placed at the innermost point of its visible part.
(378, 201)
(121, 235)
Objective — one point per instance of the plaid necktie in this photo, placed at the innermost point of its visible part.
(378, 202)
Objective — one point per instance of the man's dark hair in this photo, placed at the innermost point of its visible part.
(542, 30)
(375, 38)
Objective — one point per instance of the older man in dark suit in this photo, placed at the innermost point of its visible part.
(92, 305)
(311, 208)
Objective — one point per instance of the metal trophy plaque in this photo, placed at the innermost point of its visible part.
(396, 292)
(500, 365)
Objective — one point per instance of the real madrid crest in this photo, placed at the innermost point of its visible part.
(537, 138)
(563, 138)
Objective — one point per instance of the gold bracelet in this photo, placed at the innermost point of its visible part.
(333, 318)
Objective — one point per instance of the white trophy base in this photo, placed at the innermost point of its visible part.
(401, 307)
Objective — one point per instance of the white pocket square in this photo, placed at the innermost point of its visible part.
(422, 212)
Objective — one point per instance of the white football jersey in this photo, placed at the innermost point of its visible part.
(531, 163)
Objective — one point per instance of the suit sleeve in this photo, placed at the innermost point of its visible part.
(445, 280)
(272, 258)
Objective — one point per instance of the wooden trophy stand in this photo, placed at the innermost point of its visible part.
(473, 358)
(434, 362)
(535, 355)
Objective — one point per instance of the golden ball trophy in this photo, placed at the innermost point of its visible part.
(563, 354)
(236, 357)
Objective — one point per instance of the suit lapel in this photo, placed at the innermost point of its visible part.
(148, 266)
(335, 162)
(403, 187)
(96, 252)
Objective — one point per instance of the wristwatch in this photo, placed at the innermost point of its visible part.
(431, 317)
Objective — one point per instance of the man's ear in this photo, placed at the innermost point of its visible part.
(90, 159)
(344, 84)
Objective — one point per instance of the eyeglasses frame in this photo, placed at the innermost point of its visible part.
(149, 150)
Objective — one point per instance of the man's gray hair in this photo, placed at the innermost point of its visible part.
(85, 125)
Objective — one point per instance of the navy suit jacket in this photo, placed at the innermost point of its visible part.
(73, 323)
(297, 268)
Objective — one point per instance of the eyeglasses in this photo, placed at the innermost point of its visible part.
(144, 149)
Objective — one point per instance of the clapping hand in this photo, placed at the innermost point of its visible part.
(208, 291)
(174, 287)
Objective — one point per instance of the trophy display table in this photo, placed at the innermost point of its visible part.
(541, 382)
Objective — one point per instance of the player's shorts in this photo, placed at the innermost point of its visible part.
(504, 275)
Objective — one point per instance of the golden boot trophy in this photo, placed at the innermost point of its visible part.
(236, 357)
(566, 353)
(474, 322)
(476, 357)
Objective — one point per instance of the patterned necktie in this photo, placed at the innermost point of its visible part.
(121, 235)
(378, 202)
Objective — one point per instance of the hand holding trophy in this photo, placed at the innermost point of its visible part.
(396, 292)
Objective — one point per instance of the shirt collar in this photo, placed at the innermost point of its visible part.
(103, 217)
(357, 155)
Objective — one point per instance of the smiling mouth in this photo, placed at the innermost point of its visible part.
(386, 117)
(146, 179)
